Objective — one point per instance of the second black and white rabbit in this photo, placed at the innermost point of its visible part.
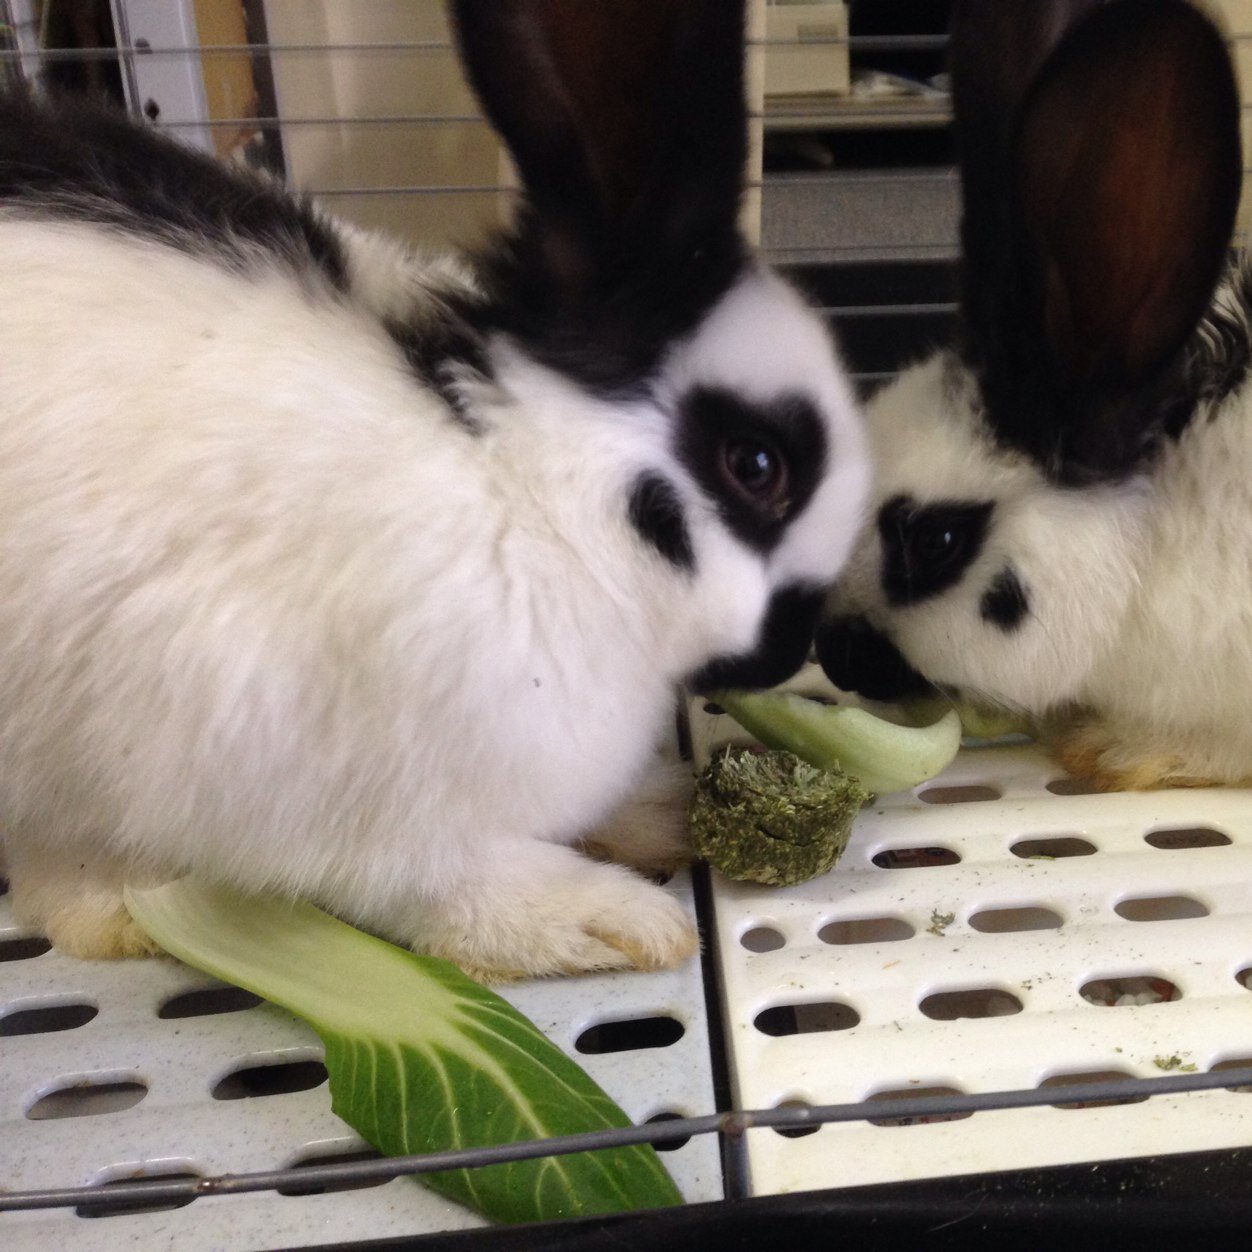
(1062, 521)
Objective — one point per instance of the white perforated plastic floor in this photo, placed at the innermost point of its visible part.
(994, 931)
(997, 930)
(131, 1069)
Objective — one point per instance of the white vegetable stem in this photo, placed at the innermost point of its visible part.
(287, 952)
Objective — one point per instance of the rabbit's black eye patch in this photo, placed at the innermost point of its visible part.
(761, 462)
(927, 547)
(1005, 603)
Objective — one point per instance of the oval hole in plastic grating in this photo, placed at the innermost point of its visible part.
(23, 949)
(762, 939)
(1134, 991)
(87, 1098)
(630, 1035)
(713, 710)
(951, 1006)
(1160, 909)
(206, 1001)
(1014, 921)
(866, 930)
(795, 1132)
(274, 1078)
(1244, 978)
(781, 1020)
(1094, 1076)
(333, 1158)
(130, 1207)
(912, 1093)
(1236, 1062)
(674, 1142)
(958, 795)
(1052, 848)
(46, 1019)
(1186, 839)
(915, 858)
(1073, 787)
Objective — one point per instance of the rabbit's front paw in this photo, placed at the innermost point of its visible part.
(1110, 760)
(650, 928)
(549, 910)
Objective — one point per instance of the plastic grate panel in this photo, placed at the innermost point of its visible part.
(1019, 968)
(175, 1126)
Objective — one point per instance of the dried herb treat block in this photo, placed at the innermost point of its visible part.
(770, 818)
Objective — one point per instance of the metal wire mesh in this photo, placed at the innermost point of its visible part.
(900, 215)
(732, 1124)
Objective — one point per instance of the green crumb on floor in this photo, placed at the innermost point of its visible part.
(1173, 1063)
(939, 922)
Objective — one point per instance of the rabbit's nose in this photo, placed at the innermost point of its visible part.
(859, 658)
(781, 649)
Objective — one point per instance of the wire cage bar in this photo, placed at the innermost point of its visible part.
(914, 1015)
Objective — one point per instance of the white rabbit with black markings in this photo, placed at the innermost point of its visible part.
(1062, 516)
(332, 572)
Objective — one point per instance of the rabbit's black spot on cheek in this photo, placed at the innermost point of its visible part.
(657, 514)
(1005, 603)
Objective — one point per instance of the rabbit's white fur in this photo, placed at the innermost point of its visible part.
(1133, 562)
(272, 616)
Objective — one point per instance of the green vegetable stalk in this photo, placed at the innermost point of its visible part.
(881, 755)
(770, 818)
(420, 1057)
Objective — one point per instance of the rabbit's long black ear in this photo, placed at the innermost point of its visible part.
(608, 104)
(1124, 179)
(1129, 180)
(627, 122)
(997, 48)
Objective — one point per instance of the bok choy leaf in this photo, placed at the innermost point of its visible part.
(421, 1058)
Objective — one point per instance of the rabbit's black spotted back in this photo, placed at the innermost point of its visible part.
(84, 162)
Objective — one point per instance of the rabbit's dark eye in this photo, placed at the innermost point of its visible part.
(758, 463)
(757, 471)
(927, 547)
(935, 543)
